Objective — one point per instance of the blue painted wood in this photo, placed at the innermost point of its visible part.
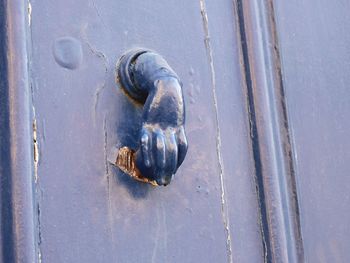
(269, 131)
(91, 211)
(266, 93)
(314, 47)
(17, 216)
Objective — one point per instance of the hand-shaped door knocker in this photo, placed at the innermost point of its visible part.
(147, 78)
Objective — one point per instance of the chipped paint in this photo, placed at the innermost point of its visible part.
(35, 151)
(36, 180)
(125, 161)
(29, 11)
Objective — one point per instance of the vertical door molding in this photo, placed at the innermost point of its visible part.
(17, 239)
(270, 135)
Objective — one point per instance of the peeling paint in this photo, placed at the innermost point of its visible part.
(125, 161)
(37, 188)
(29, 11)
(35, 151)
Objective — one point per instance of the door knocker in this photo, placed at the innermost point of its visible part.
(148, 79)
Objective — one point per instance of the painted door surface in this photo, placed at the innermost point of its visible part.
(266, 92)
(314, 46)
(89, 210)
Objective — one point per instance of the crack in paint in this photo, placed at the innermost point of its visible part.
(39, 232)
(38, 190)
(103, 57)
(105, 145)
(224, 207)
(29, 11)
(36, 145)
(99, 15)
(35, 151)
(108, 179)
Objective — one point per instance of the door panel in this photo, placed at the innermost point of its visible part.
(265, 88)
(314, 46)
(89, 210)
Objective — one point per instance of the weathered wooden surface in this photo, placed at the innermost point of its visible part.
(88, 211)
(17, 224)
(265, 86)
(314, 46)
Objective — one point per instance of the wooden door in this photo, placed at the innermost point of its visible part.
(264, 179)
(88, 210)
